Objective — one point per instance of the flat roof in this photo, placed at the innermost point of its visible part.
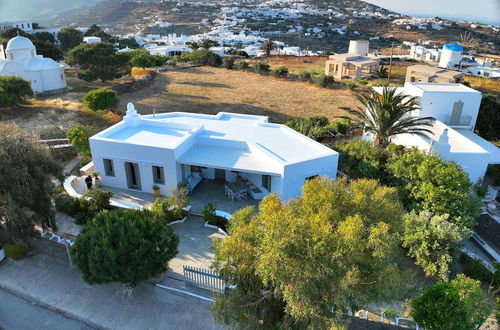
(434, 70)
(149, 136)
(225, 140)
(435, 87)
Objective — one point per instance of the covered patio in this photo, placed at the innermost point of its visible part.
(207, 191)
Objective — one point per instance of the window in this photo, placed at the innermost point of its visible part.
(109, 169)
(311, 177)
(266, 182)
(158, 175)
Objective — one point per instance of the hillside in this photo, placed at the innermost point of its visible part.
(313, 24)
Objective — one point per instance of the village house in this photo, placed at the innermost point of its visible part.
(426, 73)
(355, 64)
(247, 151)
(455, 108)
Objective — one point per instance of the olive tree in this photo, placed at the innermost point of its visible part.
(26, 187)
(310, 260)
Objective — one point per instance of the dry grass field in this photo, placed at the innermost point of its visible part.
(212, 90)
(295, 64)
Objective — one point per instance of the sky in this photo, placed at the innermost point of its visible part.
(483, 11)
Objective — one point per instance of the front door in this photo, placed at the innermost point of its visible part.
(220, 174)
(133, 176)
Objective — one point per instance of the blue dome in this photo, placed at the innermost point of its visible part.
(454, 47)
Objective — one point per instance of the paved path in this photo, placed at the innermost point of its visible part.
(17, 313)
(51, 282)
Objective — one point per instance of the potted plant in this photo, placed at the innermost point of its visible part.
(156, 191)
(97, 181)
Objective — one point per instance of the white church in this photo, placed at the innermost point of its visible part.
(20, 60)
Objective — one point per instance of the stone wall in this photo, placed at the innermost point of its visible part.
(135, 85)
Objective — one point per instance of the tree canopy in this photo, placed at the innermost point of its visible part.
(456, 305)
(488, 119)
(79, 136)
(13, 90)
(99, 60)
(385, 115)
(331, 251)
(125, 246)
(268, 46)
(432, 241)
(69, 37)
(145, 60)
(26, 188)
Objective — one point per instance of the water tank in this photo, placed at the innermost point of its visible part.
(359, 47)
(451, 55)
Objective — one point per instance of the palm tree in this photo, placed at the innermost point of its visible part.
(387, 114)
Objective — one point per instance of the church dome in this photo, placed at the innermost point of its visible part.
(41, 63)
(19, 42)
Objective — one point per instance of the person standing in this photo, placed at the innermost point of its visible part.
(88, 182)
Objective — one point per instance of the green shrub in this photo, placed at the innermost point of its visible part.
(324, 80)
(261, 67)
(351, 85)
(85, 160)
(359, 159)
(79, 136)
(146, 60)
(15, 251)
(125, 246)
(342, 126)
(280, 72)
(228, 63)
(66, 203)
(171, 207)
(305, 75)
(208, 213)
(98, 201)
(494, 172)
(315, 127)
(243, 65)
(201, 57)
(100, 99)
(13, 90)
(363, 82)
(475, 269)
(82, 217)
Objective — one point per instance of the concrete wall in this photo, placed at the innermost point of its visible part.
(296, 174)
(53, 79)
(145, 157)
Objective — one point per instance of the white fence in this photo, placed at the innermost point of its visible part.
(203, 278)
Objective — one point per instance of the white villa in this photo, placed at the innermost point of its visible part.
(20, 60)
(455, 108)
(166, 149)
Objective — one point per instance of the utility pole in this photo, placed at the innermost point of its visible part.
(390, 65)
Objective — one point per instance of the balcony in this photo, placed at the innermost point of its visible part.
(463, 121)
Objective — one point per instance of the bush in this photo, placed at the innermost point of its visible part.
(98, 201)
(261, 67)
(228, 63)
(243, 65)
(474, 268)
(100, 99)
(85, 160)
(66, 203)
(351, 85)
(359, 159)
(208, 213)
(146, 60)
(494, 172)
(363, 82)
(15, 251)
(171, 208)
(13, 90)
(280, 72)
(125, 246)
(201, 57)
(305, 75)
(324, 80)
(220, 222)
(79, 136)
(342, 126)
(315, 127)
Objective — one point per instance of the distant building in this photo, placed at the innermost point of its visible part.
(355, 64)
(451, 56)
(426, 73)
(424, 53)
(483, 71)
(26, 26)
(20, 60)
(455, 108)
(91, 40)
